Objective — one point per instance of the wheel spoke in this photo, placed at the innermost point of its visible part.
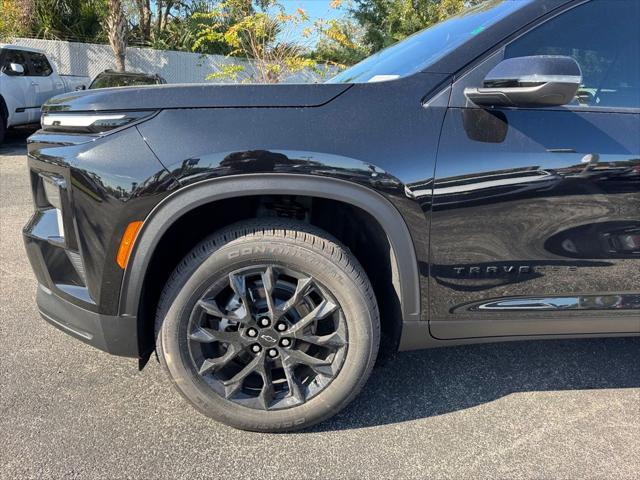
(268, 283)
(234, 384)
(320, 366)
(321, 311)
(334, 340)
(208, 335)
(295, 388)
(211, 307)
(213, 364)
(267, 392)
(239, 285)
(302, 288)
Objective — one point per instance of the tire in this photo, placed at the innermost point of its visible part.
(229, 294)
(3, 128)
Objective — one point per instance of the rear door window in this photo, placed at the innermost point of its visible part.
(40, 66)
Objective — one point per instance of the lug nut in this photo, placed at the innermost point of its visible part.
(252, 332)
(281, 327)
(256, 348)
(272, 352)
(285, 342)
(264, 322)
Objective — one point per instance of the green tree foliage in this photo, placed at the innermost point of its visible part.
(178, 33)
(12, 21)
(386, 22)
(340, 42)
(280, 41)
(69, 19)
(258, 31)
(53, 19)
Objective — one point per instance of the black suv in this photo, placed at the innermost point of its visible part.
(478, 182)
(111, 78)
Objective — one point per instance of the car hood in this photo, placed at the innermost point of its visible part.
(158, 97)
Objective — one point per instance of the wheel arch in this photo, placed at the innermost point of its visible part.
(175, 206)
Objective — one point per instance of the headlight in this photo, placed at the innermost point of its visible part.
(90, 122)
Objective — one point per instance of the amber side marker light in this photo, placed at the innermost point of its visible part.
(126, 244)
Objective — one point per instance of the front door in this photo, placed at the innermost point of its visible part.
(536, 212)
(46, 84)
(19, 89)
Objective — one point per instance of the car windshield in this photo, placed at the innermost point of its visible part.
(421, 49)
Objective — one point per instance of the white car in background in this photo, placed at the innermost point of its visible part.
(28, 80)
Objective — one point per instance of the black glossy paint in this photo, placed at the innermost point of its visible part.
(503, 208)
(198, 96)
(175, 206)
(394, 133)
(555, 199)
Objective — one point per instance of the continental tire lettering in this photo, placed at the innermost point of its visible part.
(249, 250)
(280, 250)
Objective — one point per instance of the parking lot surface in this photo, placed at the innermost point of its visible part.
(558, 409)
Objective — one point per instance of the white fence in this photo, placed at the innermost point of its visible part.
(89, 59)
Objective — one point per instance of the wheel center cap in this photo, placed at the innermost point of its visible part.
(268, 338)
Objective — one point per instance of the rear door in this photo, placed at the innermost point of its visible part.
(536, 212)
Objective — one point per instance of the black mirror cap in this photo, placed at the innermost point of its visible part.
(536, 81)
(533, 71)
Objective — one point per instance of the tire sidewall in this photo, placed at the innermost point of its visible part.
(362, 334)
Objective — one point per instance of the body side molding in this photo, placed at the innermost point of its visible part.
(185, 199)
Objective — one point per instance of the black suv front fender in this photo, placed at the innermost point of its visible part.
(173, 207)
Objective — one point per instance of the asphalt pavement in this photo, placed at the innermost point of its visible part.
(556, 409)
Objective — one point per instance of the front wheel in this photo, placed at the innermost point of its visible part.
(268, 325)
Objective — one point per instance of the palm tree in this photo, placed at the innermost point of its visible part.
(116, 24)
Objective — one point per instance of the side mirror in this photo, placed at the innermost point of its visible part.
(537, 81)
(14, 69)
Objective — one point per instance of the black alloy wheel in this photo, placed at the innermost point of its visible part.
(268, 337)
(268, 325)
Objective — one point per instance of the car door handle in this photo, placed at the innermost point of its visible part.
(34, 83)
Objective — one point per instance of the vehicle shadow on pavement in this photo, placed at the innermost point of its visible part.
(428, 383)
(15, 140)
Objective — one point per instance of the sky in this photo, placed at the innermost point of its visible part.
(314, 9)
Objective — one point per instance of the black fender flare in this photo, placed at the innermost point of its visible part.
(174, 206)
